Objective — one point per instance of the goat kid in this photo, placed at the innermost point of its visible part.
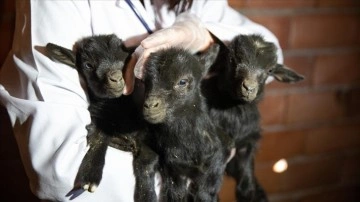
(233, 88)
(191, 151)
(115, 118)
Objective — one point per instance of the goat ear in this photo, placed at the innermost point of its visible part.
(208, 58)
(61, 54)
(217, 52)
(285, 74)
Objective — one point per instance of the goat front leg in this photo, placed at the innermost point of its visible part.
(91, 167)
(241, 168)
(145, 165)
(205, 187)
(260, 194)
(173, 187)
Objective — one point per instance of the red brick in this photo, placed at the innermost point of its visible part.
(353, 103)
(227, 192)
(300, 175)
(272, 3)
(333, 138)
(311, 107)
(276, 199)
(277, 145)
(344, 194)
(237, 4)
(324, 31)
(350, 170)
(350, 99)
(272, 109)
(337, 69)
(338, 3)
(279, 25)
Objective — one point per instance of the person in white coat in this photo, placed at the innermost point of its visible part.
(47, 104)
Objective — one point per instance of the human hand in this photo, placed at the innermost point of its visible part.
(187, 32)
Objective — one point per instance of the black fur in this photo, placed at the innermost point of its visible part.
(190, 148)
(115, 118)
(233, 87)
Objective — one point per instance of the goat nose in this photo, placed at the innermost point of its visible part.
(249, 87)
(152, 103)
(114, 76)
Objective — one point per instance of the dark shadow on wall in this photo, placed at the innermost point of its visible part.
(2, 10)
(7, 26)
(14, 184)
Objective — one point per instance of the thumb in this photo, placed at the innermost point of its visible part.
(129, 76)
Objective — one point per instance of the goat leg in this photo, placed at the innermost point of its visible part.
(241, 169)
(145, 165)
(205, 188)
(91, 167)
(173, 188)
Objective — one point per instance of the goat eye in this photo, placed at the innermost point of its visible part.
(183, 82)
(88, 65)
(270, 70)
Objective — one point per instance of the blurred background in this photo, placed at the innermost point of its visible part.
(314, 125)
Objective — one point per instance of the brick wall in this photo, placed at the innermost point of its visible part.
(314, 125)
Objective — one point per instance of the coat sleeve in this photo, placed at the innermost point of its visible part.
(48, 107)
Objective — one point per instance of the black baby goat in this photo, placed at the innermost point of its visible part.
(100, 61)
(233, 87)
(192, 153)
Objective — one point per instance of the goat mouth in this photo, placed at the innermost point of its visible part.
(248, 98)
(114, 93)
(108, 94)
(154, 117)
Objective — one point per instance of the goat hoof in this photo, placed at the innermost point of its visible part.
(90, 187)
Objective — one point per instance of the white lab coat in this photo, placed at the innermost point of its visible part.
(45, 100)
